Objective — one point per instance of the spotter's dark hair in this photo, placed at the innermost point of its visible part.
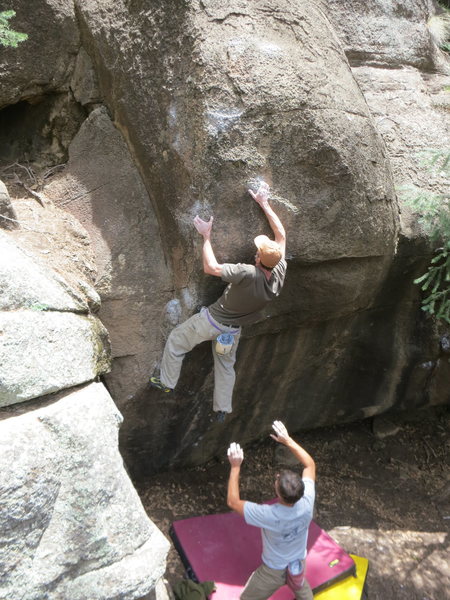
(290, 486)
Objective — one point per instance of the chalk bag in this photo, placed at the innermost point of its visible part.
(224, 343)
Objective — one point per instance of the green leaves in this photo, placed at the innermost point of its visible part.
(8, 37)
(38, 306)
(436, 282)
(434, 216)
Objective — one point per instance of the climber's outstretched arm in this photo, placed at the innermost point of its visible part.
(210, 264)
(262, 198)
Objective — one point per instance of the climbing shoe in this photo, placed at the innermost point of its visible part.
(156, 383)
(220, 416)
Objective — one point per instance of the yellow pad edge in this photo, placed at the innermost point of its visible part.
(350, 588)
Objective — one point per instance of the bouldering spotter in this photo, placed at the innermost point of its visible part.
(250, 288)
(284, 525)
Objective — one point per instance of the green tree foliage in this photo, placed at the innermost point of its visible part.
(8, 37)
(434, 215)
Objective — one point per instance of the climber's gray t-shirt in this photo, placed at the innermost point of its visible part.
(247, 294)
(284, 529)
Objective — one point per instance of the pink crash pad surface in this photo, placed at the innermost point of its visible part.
(224, 549)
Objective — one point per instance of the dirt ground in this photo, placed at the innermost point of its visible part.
(383, 492)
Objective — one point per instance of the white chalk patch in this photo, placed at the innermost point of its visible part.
(237, 47)
(270, 49)
(176, 144)
(291, 207)
(254, 183)
(188, 299)
(221, 120)
(202, 209)
(172, 118)
(173, 312)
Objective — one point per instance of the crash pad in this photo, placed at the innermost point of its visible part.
(350, 588)
(224, 549)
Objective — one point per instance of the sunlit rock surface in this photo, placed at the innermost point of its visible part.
(71, 523)
(174, 113)
(49, 340)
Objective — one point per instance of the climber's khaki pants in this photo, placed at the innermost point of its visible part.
(265, 581)
(183, 338)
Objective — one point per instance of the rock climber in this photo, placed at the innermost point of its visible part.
(284, 525)
(250, 288)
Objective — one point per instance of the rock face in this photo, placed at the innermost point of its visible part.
(247, 99)
(386, 34)
(132, 276)
(49, 341)
(27, 284)
(71, 523)
(34, 91)
(122, 121)
(410, 103)
(175, 113)
(7, 214)
(41, 64)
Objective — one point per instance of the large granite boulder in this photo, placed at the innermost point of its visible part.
(410, 103)
(44, 351)
(71, 523)
(41, 64)
(39, 112)
(108, 198)
(24, 283)
(199, 102)
(49, 340)
(8, 219)
(247, 98)
(385, 33)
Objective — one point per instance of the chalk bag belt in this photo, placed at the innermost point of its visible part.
(215, 326)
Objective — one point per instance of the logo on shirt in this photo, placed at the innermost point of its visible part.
(290, 535)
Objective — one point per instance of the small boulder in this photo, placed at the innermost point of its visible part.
(383, 427)
(8, 218)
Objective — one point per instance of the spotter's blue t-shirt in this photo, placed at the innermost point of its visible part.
(284, 529)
